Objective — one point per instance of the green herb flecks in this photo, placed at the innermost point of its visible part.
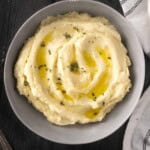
(58, 81)
(74, 67)
(76, 28)
(95, 113)
(67, 36)
(62, 103)
(58, 78)
(94, 96)
(103, 103)
(49, 52)
(63, 91)
(83, 70)
(41, 66)
(26, 83)
(42, 44)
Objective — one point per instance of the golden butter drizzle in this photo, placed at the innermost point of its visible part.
(41, 57)
(103, 83)
(47, 38)
(92, 113)
(99, 88)
(61, 88)
(88, 59)
(41, 63)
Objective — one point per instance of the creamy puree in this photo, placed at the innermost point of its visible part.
(74, 69)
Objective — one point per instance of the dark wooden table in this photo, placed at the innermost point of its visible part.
(12, 14)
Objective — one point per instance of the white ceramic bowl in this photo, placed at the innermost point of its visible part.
(76, 134)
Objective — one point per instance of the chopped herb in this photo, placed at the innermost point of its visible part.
(59, 83)
(41, 66)
(75, 28)
(63, 91)
(94, 99)
(58, 78)
(62, 103)
(50, 70)
(84, 33)
(26, 83)
(49, 51)
(95, 113)
(67, 36)
(74, 67)
(103, 103)
(93, 94)
(48, 79)
(28, 95)
(42, 44)
(109, 57)
(82, 69)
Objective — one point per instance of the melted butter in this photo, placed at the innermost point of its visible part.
(84, 85)
(73, 62)
(67, 97)
(105, 56)
(41, 60)
(47, 38)
(41, 57)
(92, 113)
(103, 83)
(100, 87)
(88, 59)
(60, 87)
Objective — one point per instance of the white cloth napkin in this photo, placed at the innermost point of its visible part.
(138, 14)
(137, 135)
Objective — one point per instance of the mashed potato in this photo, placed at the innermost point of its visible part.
(74, 69)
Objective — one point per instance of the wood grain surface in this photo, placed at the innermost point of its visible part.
(12, 14)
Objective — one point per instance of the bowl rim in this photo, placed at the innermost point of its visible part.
(5, 72)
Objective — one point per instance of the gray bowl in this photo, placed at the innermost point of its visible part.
(77, 134)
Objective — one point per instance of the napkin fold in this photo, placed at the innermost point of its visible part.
(137, 135)
(138, 14)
